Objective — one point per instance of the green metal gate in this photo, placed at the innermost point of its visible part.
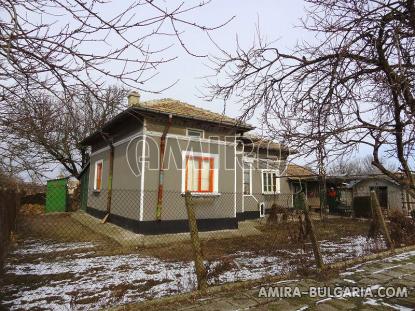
(57, 195)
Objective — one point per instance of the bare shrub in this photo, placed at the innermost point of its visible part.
(277, 213)
(402, 228)
(215, 270)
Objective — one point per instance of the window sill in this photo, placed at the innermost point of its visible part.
(270, 193)
(203, 194)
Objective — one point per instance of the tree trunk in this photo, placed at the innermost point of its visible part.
(377, 213)
(197, 250)
(312, 233)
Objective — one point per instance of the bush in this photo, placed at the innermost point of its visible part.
(277, 214)
(402, 228)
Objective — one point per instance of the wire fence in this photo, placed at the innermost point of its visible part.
(91, 254)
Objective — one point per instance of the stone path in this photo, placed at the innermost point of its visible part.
(375, 277)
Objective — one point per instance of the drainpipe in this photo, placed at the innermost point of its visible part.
(110, 176)
(161, 170)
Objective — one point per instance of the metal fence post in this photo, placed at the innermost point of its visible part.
(378, 217)
(197, 250)
(312, 232)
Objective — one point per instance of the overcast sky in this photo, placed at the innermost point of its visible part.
(277, 20)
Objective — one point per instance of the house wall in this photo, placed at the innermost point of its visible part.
(126, 181)
(214, 207)
(394, 192)
(251, 201)
(408, 202)
(136, 209)
(179, 127)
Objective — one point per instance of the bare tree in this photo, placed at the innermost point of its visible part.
(58, 45)
(37, 135)
(52, 49)
(358, 166)
(353, 88)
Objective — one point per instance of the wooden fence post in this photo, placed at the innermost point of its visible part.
(312, 233)
(378, 217)
(201, 272)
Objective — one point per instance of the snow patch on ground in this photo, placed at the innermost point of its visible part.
(34, 247)
(84, 281)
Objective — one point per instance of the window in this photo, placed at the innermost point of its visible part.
(247, 178)
(199, 174)
(195, 133)
(270, 182)
(98, 175)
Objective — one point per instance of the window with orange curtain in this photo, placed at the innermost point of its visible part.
(98, 175)
(199, 174)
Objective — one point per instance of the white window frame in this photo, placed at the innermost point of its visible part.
(202, 132)
(95, 174)
(215, 157)
(250, 163)
(277, 181)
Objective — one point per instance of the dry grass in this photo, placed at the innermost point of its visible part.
(58, 227)
(32, 209)
(273, 239)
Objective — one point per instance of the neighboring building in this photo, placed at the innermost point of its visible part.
(300, 179)
(390, 194)
(206, 153)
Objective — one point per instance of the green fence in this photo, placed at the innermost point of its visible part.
(57, 195)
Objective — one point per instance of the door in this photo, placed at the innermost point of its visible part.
(262, 209)
(382, 194)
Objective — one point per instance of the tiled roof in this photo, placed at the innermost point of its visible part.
(295, 170)
(261, 142)
(181, 109)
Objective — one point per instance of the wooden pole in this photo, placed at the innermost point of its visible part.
(197, 249)
(110, 178)
(377, 212)
(312, 233)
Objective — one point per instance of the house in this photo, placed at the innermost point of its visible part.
(390, 194)
(300, 179)
(145, 158)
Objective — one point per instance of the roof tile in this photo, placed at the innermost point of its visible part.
(179, 108)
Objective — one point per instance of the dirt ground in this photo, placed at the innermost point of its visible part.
(273, 240)
(59, 263)
(62, 228)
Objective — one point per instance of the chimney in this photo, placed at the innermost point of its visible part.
(133, 98)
